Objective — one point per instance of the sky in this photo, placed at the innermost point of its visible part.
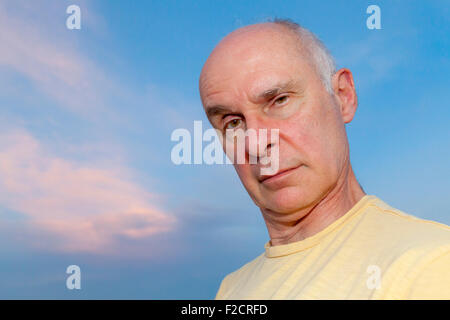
(86, 117)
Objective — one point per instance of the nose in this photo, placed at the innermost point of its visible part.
(259, 139)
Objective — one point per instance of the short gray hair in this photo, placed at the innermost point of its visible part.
(316, 51)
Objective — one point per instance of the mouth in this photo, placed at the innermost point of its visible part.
(279, 174)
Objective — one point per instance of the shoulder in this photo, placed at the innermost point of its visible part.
(418, 252)
(433, 280)
(406, 230)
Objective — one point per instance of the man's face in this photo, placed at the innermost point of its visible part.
(259, 79)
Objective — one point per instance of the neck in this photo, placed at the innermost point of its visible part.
(312, 219)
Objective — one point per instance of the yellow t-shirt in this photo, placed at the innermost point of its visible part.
(372, 252)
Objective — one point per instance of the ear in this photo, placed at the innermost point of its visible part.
(345, 93)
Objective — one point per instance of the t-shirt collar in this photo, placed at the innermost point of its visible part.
(286, 249)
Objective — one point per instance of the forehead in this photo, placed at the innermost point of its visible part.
(251, 62)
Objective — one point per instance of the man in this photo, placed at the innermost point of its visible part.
(328, 239)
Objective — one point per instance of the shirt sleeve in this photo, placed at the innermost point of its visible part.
(434, 281)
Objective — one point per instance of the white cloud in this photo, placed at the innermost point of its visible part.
(45, 55)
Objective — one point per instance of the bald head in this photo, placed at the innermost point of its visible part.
(282, 35)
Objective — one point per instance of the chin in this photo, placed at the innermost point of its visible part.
(286, 200)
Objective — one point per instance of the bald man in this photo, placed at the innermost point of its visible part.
(328, 239)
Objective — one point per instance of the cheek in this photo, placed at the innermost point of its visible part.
(303, 134)
(315, 138)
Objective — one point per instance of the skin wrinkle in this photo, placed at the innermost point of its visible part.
(253, 61)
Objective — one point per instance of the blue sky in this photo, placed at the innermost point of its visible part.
(85, 123)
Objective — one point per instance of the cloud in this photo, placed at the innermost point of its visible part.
(36, 44)
(82, 208)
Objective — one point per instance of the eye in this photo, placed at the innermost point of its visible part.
(233, 124)
(281, 100)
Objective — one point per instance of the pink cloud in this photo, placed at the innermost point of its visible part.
(72, 206)
(84, 208)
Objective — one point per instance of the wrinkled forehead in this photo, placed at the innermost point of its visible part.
(252, 60)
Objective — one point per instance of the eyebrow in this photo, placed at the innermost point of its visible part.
(217, 110)
(269, 93)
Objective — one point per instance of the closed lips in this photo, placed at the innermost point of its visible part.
(279, 173)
